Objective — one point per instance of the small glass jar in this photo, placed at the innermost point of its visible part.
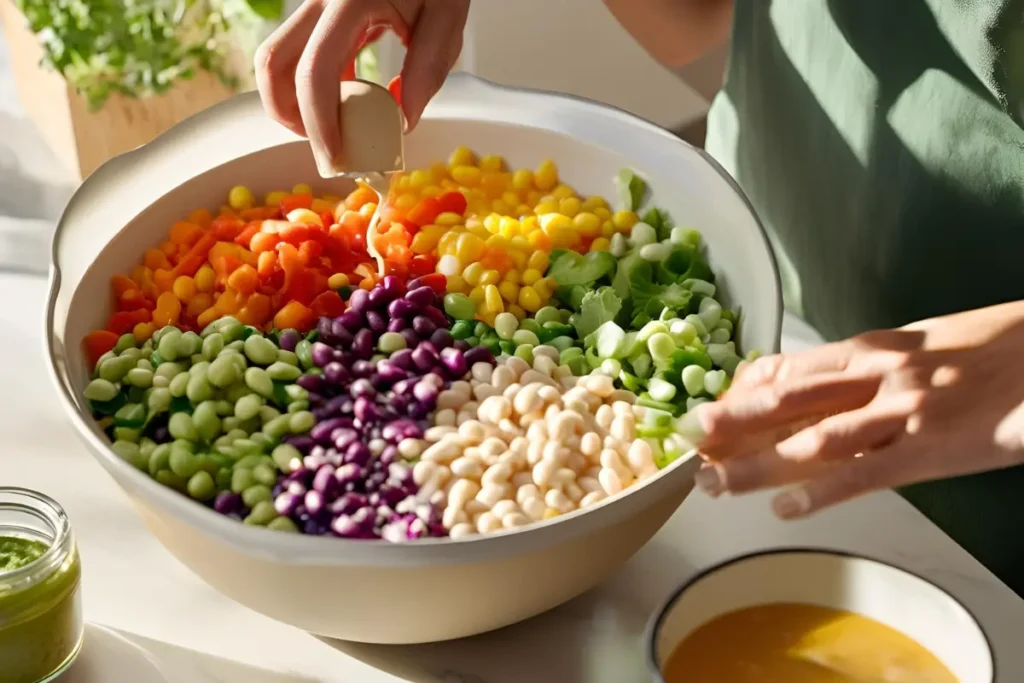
(41, 625)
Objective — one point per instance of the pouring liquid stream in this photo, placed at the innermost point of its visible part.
(379, 183)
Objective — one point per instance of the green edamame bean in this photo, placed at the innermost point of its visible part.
(159, 459)
(284, 372)
(184, 445)
(179, 385)
(296, 393)
(212, 345)
(112, 370)
(183, 463)
(548, 314)
(190, 344)
(169, 370)
(262, 514)
(231, 330)
(248, 462)
(198, 389)
(562, 343)
(303, 350)
(260, 350)
(257, 493)
(199, 367)
(236, 433)
(144, 364)
(247, 447)
(171, 480)
(238, 346)
(378, 357)
(520, 337)
(181, 427)
(282, 524)
(287, 458)
(99, 361)
(301, 422)
(161, 382)
(147, 446)
(205, 421)
(200, 486)
(130, 453)
(140, 377)
(224, 408)
(223, 372)
(288, 357)
(100, 390)
(505, 325)
(268, 413)
(236, 392)
(277, 428)
(196, 358)
(241, 479)
(530, 325)
(570, 353)
(525, 351)
(124, 342)
(261, 382)
(222, 479)
(459, 306)
(390, 342)
(169, 346)
(265, 474)
(131, 352)
(298, 406)
(248, 407)
(230, 423)
(261, 440)
(127, 434)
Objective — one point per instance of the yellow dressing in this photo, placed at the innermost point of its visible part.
(797, 643)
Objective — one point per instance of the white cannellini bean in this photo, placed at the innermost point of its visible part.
(505, 507)
(495, 409)
(445, 450)
(590, 444)
(482, 372)
(474, 508)
(513, 460)
(464, 417)
(487, 522)
(519, 444)
(411, 448)
(577, 462)
(535, 452)
(528, 419)
(511, 391)
(604, 417)
(621, 408)
(610, 481)
(578, 407)
(445, 418)
(550, 394)
(623, 395)
(526, 491)
(493, 446)
(640, 457)
(471, 407)
(516, 519)
(496, 475)
(453, 516)
(502, 378)
(559, 501)
(435, 434)
(437, 498)
(543, 471)
(509, 430)
(574, 492)
(590, 499)
(611, 459)
(449, 399)
(534, 507)
(491, 494)
(602, 385)
(589, 484)
(461, 531)
(547, 351)
(423, 471)
(623, 428)
(538, 431)
(562, 477)
(528, 399)
(470, 468)
(517, 366)
(544, 365)
(555, 452)
(534, 376)
(461, 387)
(521, 479)
(482, 392)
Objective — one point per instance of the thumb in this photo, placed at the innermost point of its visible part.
(433, 49)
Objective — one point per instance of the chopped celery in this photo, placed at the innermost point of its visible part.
(609, 338)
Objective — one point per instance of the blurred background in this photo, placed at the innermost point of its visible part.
(82, 81)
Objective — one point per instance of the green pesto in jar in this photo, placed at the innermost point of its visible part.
(40, 614)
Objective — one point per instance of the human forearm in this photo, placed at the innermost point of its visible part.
(675, 32)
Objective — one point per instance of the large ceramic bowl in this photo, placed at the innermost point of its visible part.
(374, 591)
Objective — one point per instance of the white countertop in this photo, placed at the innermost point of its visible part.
(134, 586)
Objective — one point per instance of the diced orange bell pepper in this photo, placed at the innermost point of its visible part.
(244, 279)
(245, 236)
(121, 284)
(264, 241)
(226, 228)
(360, 196)
(133, 300)
(295, 316)
(454, 202)
(201, 217)
(195, 257)
(423, 264)
(98, 343)
(296, 201)
(295, 233)
(266, 264)
(328, 304)
(426, 212)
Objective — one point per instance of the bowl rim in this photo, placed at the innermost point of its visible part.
(661, 613)
(283, 547)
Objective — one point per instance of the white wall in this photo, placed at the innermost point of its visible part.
(573, 46)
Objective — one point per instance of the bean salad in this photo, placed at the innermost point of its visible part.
(525, 352)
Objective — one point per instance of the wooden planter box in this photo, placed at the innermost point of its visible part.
(82, 139)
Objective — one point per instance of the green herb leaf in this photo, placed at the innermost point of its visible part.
(569, 268)
(652, 297)
(596, 308)
(268, 9)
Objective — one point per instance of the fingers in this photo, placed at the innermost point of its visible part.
(433, 49)
(276, 61)
(781, 367)
(333, 44)
(768, 407)
(809, 453)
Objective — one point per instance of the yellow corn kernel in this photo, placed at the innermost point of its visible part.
(531, 276)
(302, 188)
(431, 191)
(607, 229)
(511, 198)
(492, 163)
(517, 252)
(563, 192)
(405, 202)
(438, 171)
(570, 206)
(513, 276)
(419, 179)
(448, 218)
(624, 220)
(603, 213)
(337, 281)
(529, 224)
(489, 278)
(320, 206)
(456, 284)
(446, 243)
(560, 229)
(529, 299)
(449, 185)
(462, 156)
(480, 231)
(542, 290)
(469, 176)
(538, 240)
(274, 198)
(517, 311)
(184, 288)
(143, 331)
(509, 227)
(424, 241)
(587, 224)
(204, 278)
(522, 179)
(400, 183)
(486, 316)
(500, 207)
(509, 291)
(497, 242)
(207, 316)
(534, 197)
(492, 299)
(240, 198)
(522, 210)
(546, 175)
(472, 273)
(492, 222)
(546, 207)
(600, 244)
(538, 261)
(476, 295)
(593, 203)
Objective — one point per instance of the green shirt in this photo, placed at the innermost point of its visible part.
(881, 143)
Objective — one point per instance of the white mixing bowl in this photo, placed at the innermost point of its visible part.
(374, 591)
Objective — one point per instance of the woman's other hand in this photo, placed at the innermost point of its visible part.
(299, 66)
(936, 399)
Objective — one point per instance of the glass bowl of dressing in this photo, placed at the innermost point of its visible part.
(41, 625)
(815, 616)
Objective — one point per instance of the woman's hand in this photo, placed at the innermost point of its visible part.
(299, 66)
(939, 398)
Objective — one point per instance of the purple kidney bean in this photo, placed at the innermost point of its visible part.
(377, 322)
(436, 316)
(479, 354)
(362, 345)
(286, 503)
(397, 325)
(423, 326)
(359, 301)
(421, 297)
(228, 503)
(401, 308)
(441, 339)
(455, 362)
(393, 286)
(288, 339)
